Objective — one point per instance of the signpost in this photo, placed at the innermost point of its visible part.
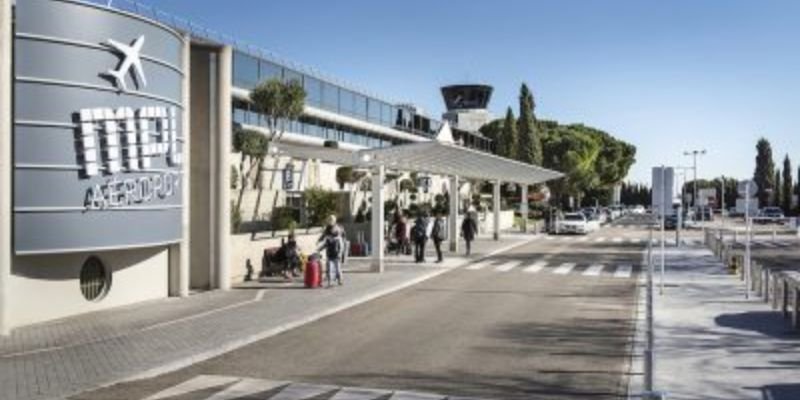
(746, 188)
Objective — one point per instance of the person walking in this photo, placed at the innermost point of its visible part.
(420, 236)
(469, 228)
(332, 240)
(437, 234)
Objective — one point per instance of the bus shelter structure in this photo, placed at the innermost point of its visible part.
(439, 157)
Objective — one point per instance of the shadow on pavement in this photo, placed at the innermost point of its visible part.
(767, 323)
(789, 391)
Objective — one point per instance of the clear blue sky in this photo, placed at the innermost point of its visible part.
(666, 76)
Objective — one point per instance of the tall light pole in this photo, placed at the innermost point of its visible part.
(694, 154)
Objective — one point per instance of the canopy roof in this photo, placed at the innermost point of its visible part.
(441, 157)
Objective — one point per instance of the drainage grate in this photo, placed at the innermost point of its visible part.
(95, 279)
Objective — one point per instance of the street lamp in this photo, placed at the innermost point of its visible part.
(694, 154)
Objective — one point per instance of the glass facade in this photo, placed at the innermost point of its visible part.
(249, 71)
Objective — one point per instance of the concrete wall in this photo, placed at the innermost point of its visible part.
(138, 275)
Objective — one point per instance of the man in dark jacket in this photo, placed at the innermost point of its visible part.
(420, 235)
(438, 235)
(469, 228)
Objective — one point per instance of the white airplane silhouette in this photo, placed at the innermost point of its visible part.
(132, 59)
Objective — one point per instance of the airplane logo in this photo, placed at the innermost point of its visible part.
(131, 60)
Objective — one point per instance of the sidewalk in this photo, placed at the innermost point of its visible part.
(711, 342)
(65, 357)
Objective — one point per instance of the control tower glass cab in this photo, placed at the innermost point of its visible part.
(467, 106)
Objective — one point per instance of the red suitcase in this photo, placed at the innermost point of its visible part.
(313, 275)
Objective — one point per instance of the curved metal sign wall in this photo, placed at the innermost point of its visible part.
(97, 129)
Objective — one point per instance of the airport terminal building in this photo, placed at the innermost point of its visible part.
(116, 162)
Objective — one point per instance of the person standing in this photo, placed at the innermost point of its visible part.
(469, 228)
(420, 236)
(400, 234)
(437, 234)
(332, 240)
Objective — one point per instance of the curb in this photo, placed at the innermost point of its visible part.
(236, 344)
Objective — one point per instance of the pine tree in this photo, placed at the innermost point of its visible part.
(787, 185)
(529, 142)
(507, 146)
(764, 175)
(776, 194)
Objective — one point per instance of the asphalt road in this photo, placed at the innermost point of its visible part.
(496, 332)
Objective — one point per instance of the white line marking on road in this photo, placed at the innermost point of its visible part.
(617, 240)
(593, 270)
(635, 240)
(535, 267)
(564, 268)
(508, 266)
(549, 237)
(583, 238)
(480, 265)
(260, 294)
(623, 271)
(600, 239)
(766, 244)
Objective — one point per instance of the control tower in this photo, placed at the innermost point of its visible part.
(467, 106)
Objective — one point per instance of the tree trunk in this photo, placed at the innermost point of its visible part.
(243, 186)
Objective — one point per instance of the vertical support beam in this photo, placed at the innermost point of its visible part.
(223, 168)
(496, 209)
(6, 110)
(452, 229)
(377, 223)
(523, 207)
(179, 254)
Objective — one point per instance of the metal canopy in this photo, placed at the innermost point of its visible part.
(313, 152)
(443, 158)
(434, 157)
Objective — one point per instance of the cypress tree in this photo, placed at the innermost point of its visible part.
(764, 175)
(530, 144)
(507, 146)
(776, 194)
(787, 185)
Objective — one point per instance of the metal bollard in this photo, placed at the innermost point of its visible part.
(774, 287)
(785, 298)
(654, 396)
(765, 282)
(796, 309)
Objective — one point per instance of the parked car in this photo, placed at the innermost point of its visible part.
(671, 222)
(769, 215)
(576, 223)
(638, 210)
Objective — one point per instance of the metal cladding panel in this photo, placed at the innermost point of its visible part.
(98, 135)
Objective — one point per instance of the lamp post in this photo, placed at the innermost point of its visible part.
(694, 154)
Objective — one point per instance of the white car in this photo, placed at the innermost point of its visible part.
(638, 210)
(576, 223)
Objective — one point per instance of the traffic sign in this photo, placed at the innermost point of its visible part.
(747, 187)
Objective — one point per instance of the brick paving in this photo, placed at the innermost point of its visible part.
(60, 358)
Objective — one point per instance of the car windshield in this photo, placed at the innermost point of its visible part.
(574, 217)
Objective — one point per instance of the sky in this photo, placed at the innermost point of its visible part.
(666, 76)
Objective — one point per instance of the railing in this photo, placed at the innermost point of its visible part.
(778, 286)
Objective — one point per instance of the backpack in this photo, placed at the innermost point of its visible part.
(418, 232)
(333, 246)
(438, 229)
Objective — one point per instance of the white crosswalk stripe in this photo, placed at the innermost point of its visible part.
(617, 240)
(508, 266)
(564, 268)
(583, 238)
(535, 267)
(549, 238)
(479, 265)
(210, 387)
(623, 271)
(635, 240)
(600, 239)
(594, 270)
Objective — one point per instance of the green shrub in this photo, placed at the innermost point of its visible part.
(320, 203)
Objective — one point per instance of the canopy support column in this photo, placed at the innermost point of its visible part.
(377, 239)
(523, 208)
(452, 231)
(496, 209)
(222, 236)
(6, 165)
